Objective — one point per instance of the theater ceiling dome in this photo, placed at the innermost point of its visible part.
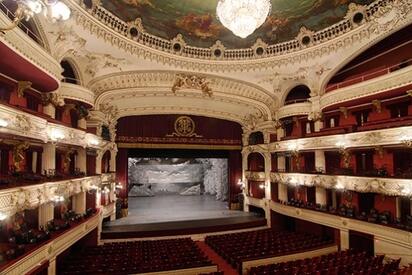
(196, 20)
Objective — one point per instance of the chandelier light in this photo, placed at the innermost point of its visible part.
(54, 10)
(243, 17)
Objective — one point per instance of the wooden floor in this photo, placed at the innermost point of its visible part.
(178, 215)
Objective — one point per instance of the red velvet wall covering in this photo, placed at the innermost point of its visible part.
(121, 171)
(255, 191)
(256, 162)
(160, 129)
(235, 173)
(91, 165)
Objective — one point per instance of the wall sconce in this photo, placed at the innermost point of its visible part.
(262, 186)
(241, 184)
(407, 141)
(52, 9)
(57, 199)
(119, 186)
(339, 186)
(293, 147)
(3, 122)
(407, 191)
(105, 190)
(3, 216)
(93, 141)
(56, 134)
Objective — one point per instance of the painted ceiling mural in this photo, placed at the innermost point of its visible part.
(196, 19)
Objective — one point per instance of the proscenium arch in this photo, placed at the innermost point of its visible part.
(355, 54)
(159, 83)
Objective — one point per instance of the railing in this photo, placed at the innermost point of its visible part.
(21, 25)
(369, 76)
(121, 27)
(293, 101)
(71, 80)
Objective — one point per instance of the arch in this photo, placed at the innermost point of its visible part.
(299, 93)
(256, 162)
(256, 138)
(70, 73)
(358, 52)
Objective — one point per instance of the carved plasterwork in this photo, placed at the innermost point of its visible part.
(387, 186)
(18, 154)
(52, 98)
(66, 42)
(110, 112)
(184, 81)
(335, 33)
(22, 86)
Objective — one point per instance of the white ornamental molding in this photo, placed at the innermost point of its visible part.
(255, 176)
(386, 186)
(383, 137)
(24, 125)
(105, 25)
(76, 92)
(13, 200)
(387, 82)
(296, 109)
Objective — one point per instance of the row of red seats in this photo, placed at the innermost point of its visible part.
(339, 263)
(136, 257)
(239, 247)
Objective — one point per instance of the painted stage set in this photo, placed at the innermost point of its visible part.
(178, 197)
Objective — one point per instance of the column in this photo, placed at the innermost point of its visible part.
(34, 162)
(81, 160)
(280, 133)
(51, 270)
(318, 125)
(79, 203)
(344, 239)
(266, 137)
(99, 163)
(321, 196)
(320, 163)
(48, 160)
(398, 213)
(113, 154)
(81, 123)
(46, 213)
(268, 169)
(281, 163)
(50, 110)
(282, 192)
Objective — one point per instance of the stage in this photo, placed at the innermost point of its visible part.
(178, 215)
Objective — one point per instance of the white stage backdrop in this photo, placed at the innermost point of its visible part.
(162, 176)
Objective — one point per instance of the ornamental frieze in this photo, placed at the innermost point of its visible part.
(386, 186)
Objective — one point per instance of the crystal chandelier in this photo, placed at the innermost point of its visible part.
(54, 10)
(243, 17)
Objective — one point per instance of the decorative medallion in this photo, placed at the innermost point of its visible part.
(184, 127)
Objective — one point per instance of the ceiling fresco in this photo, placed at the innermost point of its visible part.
(196, 19)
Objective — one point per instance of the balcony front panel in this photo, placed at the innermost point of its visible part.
(387, 186)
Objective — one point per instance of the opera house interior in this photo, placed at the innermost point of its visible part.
(206, 137)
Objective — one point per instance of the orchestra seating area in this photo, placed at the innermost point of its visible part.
(339, 263)
(236, 248)
(136, 257)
